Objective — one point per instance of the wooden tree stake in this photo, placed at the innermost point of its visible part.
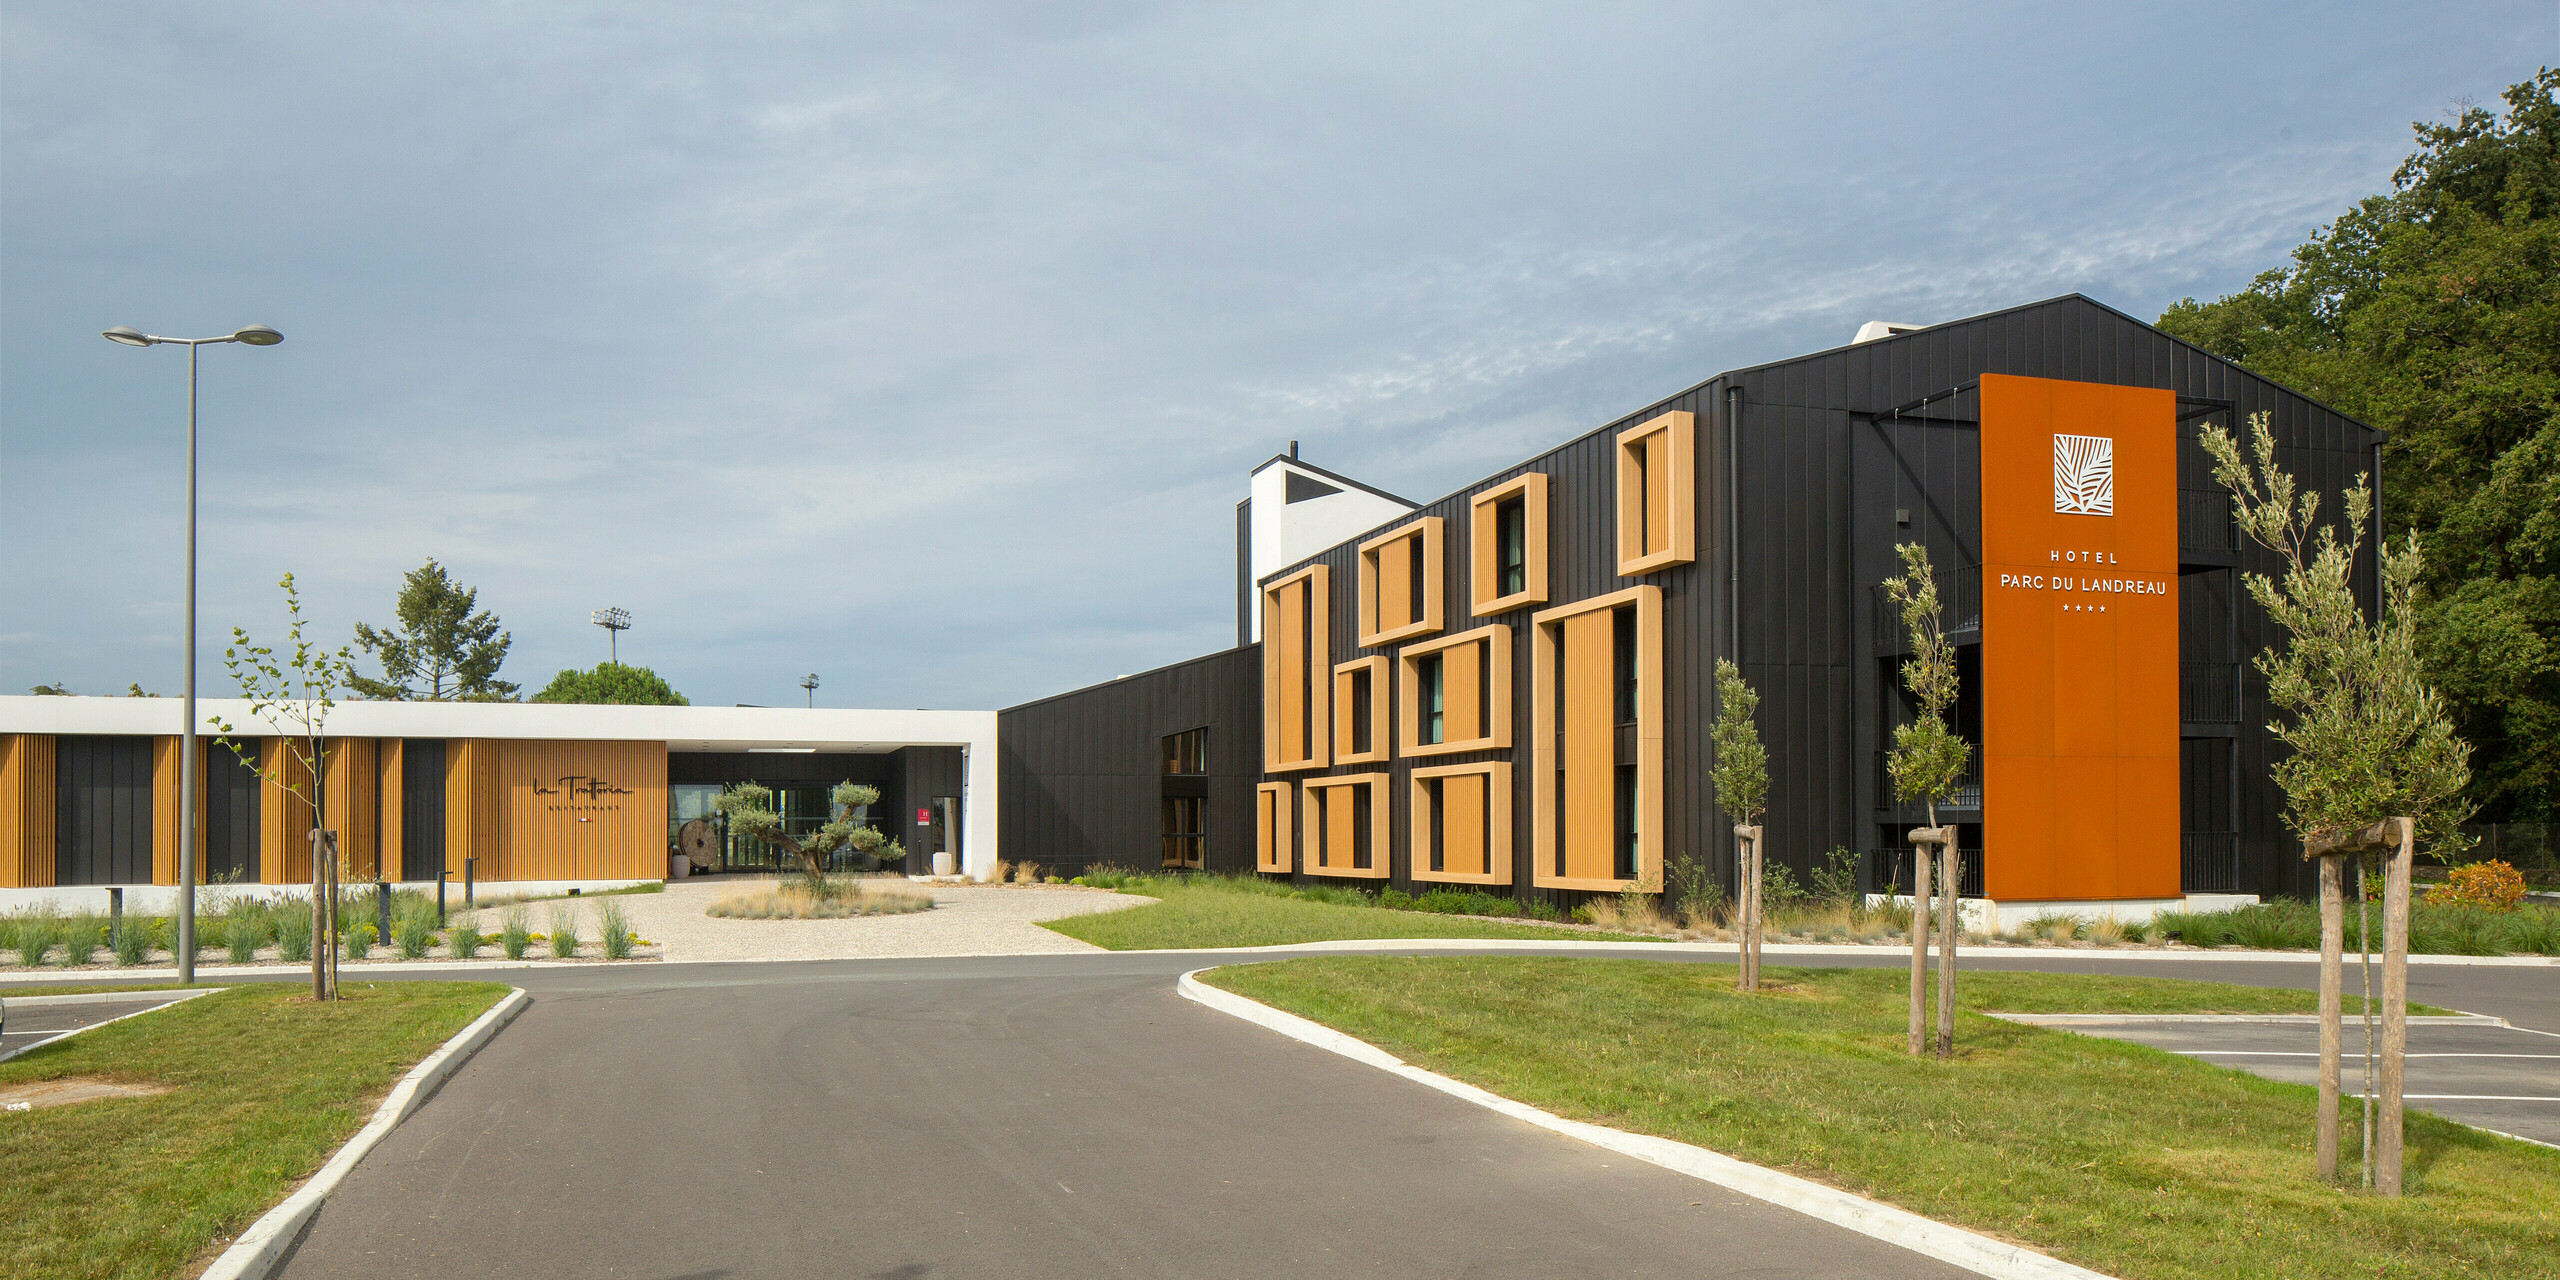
(2332, 979)
(1919, 943)
(2395, 1004)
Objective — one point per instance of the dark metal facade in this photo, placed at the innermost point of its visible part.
(1809, 471)
(231, 812)
(1083, 772)
(102, 810)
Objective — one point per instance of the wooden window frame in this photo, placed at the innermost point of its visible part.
(1319, 660)
(1485, 546)
(1667, 443)
(1496, 638)
(1381, 711)
(1497, 776)
(1544, 802)
(1381, 840)
(1273, 798)
(1371, 553)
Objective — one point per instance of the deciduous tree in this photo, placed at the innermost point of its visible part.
(1926, 762)
(1741, 778)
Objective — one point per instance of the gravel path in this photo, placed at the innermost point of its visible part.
(966, 920)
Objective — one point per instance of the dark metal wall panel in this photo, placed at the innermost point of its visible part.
(924, 774)
(103, 810)
(231, 812)
(1082, 771)
(422, 808)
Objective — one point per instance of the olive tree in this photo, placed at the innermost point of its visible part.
(750, 810)
(1926, 762)
(1741, 778)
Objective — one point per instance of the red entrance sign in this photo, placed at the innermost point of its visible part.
(924, 817)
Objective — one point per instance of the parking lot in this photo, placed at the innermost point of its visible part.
(35, 1020)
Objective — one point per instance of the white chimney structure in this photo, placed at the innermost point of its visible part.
(1295, 511)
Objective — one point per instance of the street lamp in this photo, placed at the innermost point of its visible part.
(256, 335)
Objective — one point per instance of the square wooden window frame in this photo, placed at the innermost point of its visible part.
(1381, 826)
(1382, 705)
(1284, 859)
(1484, 544)
(1544, 801)
(1496, 637)
(1320, 617)
(1680, 432)
(1433, 580)
(1497, 823)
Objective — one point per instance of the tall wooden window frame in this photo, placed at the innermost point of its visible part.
(1495, 838)
(1319, 795)
(1297, 662)
(1484, 540)
(1346, 746)
(1492, 658)
(1547, 686)
(1275, 842)
(1657, 494)
(1387, 612)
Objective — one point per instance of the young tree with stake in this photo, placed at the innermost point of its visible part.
(294, 698)
(1926, 761)
(2374, 758)
(1741, 778)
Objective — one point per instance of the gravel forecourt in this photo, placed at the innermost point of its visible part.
(966, 920)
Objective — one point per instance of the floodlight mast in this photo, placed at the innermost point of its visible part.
(256, 335)
(614, 622)
(810, 683)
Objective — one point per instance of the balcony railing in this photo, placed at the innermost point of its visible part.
(2205, 522)
(2209, 862)
(1959, 610)
(2209, 692)
(1890, 869)
(1967, 795)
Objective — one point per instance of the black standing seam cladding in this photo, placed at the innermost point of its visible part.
(1820, 464)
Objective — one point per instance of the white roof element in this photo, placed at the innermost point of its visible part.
(1299, 510)
(681, 728)
(1875, 329)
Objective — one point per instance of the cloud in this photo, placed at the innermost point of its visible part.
(927, 347)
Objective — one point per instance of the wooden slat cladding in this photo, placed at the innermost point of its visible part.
(1475, 676)
(390, 820)
(1486, 596)
(1401, 585)
(1297, 686)
(284, 813)
(1347, 827)
(1275, 846)
(1657, 494)
(1461, 823)
(1362, 716)
(576, 811)
(26, 810)
(353, 808)
(1577, 735)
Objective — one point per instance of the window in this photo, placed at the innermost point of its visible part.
(1457, 692)
(1187, 752)
(1346, 821)
(1462, 823)
(1360, 711)
(1657, 485)
(1275, 847)
(1297, 654)
(1508, 537)
(1400, 583)
(1186, 830)
(1597, 777)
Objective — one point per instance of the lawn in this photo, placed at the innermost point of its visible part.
(2128, 1160)
(267, 1084)
(1217, 911)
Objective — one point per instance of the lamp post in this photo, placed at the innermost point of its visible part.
(256, 335)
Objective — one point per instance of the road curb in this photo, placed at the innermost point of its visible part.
(2226, 955)
(131, 997)
(1927, 1237)
(271, 1238)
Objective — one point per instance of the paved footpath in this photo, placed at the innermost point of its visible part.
(1030, 1116)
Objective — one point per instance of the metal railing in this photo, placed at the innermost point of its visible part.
(2209, 692)
(1959, 609)
(2209, 862)
(1967, 794)
(2205, 521)
(1890, 869)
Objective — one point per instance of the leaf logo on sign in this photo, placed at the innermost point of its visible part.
(2084, 475)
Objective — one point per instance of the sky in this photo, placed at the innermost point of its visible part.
(928, 347)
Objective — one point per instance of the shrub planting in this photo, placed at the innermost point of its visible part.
(515, 931)
(794, 902)
(135, 942)
(37, 935)
(2492, 885)
(463, 939)
(413, 930)
(564, 930)
(81, 938)
(613, 927)
(293, 933)
(244, 930)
